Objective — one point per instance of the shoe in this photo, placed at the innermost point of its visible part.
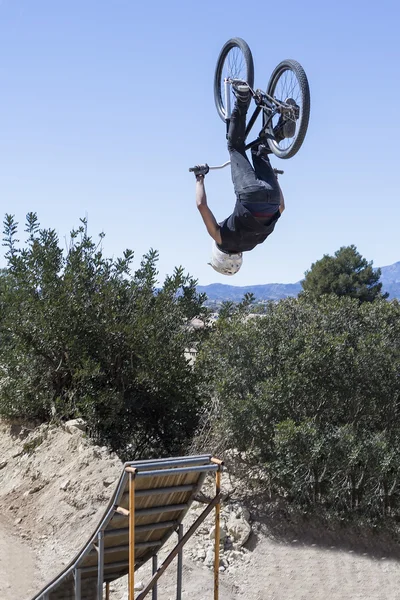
(262, 150)
(241, 91)
(286, 126)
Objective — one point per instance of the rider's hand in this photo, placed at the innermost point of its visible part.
(200, 171)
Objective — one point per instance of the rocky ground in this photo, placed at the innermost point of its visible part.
(54, 487)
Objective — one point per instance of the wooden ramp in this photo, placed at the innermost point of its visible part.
(150, 501)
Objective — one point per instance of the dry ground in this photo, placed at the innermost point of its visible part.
(54, 487)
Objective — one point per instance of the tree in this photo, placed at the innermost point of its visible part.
(346, 273)
(81, 335)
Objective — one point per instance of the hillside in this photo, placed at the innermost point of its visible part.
(219, 292)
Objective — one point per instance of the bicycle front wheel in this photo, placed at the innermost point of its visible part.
(234, 62)
(289, 82)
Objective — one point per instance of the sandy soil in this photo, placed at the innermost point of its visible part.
(54, 488)
(18, 569)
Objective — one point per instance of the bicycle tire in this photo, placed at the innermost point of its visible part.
(297, 69)
(249, 78)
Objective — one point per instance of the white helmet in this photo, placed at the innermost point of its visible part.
(225, 263)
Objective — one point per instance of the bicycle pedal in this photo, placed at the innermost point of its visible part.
(259, 98)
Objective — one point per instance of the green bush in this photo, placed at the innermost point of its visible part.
(311, 390)
(82, 336)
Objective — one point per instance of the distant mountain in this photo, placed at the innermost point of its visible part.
(390, 278)
(219, 292)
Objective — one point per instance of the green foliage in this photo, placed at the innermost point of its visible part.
(311, 390)
(237, 310)
(83, 336)
(346, 273)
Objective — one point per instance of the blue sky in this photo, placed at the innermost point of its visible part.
(105, 104)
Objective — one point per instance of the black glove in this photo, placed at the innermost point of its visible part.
(200, 170)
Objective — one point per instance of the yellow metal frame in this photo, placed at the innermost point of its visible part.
(131, 577)
(217, 527)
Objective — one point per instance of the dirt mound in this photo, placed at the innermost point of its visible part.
(54, 487)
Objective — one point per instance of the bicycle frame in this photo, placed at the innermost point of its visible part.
(266, 103)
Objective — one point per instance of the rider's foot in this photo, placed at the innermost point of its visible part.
(286, 126)
(241, 91)
(261, 150)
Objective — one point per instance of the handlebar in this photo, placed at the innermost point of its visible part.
(204, 169)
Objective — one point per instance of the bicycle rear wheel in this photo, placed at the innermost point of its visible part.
(289, 80)
(235, 62)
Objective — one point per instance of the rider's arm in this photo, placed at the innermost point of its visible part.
(207, 216)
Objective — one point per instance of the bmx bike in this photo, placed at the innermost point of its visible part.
(287, 95)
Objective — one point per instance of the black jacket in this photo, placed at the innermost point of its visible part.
(241, 231)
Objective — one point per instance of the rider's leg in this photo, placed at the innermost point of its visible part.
(264, 172)
(243, 175)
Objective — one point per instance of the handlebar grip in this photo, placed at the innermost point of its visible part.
(200, 169)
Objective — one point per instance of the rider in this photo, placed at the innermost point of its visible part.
(259, 198)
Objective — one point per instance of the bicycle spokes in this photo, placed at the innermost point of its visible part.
(284, 106)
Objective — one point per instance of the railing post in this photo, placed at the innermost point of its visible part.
(155, 567)
(77, 578)
(100, 565)
(217, 527)
(131, 535)
(180, 565)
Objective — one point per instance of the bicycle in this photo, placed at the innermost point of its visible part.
(287, 94)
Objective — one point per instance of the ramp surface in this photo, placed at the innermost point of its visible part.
(164, 491)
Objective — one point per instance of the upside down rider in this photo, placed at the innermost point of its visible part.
(259, 198)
